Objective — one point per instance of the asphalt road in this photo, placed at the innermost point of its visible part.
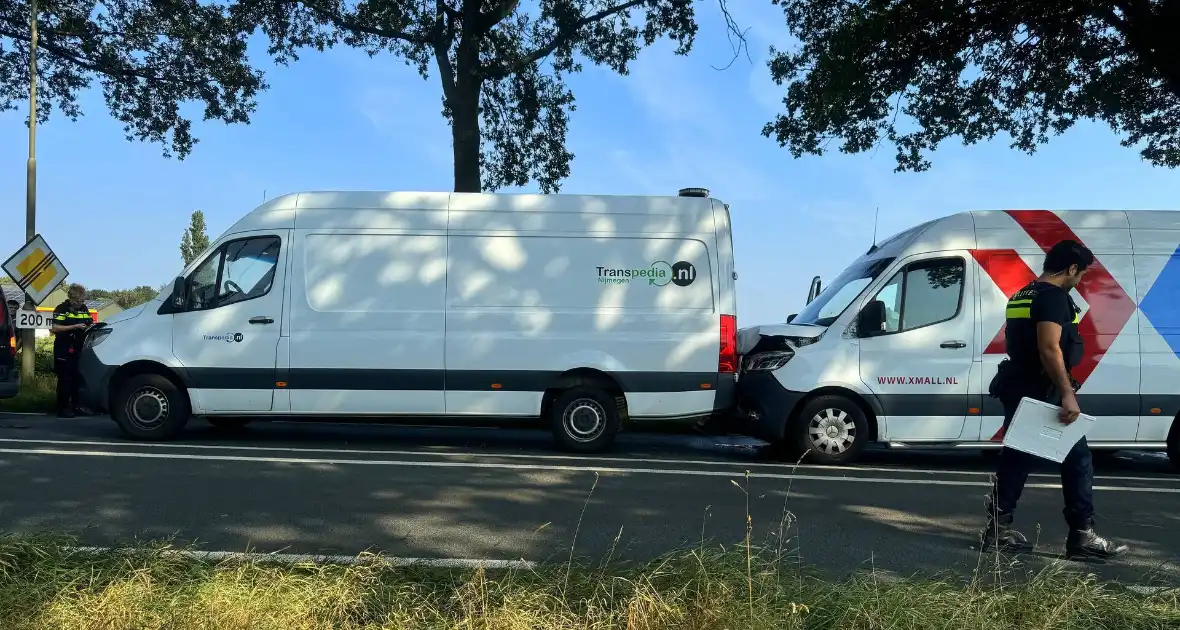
(503, 494)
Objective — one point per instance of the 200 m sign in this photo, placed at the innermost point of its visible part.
(33, 319)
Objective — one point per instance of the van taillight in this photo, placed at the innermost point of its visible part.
(727, 355)
(12, 345)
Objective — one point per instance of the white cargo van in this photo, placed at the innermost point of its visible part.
(899, 349)
(583, 310)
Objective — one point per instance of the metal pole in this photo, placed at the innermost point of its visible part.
(28, 345)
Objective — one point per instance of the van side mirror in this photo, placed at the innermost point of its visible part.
(791, 317)
(871, 320)
(176, 298)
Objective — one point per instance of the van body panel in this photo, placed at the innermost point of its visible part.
(367, 326)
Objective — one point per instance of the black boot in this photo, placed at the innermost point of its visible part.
(999, 535)
(1085, 544)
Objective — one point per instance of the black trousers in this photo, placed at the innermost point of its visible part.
(1077, 471)
(69, 380)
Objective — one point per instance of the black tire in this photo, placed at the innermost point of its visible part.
(150, 407)
(584, 420)
(845, 431)
(228, 424)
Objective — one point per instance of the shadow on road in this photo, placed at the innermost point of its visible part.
(232, 500)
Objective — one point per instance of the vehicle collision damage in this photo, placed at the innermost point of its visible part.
(764, 406)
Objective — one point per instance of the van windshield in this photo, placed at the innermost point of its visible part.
(831, 302)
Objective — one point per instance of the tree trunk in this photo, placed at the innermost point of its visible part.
(465, 134)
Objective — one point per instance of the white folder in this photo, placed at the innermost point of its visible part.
(1036, 429)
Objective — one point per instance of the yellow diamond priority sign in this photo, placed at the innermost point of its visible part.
(36, 269)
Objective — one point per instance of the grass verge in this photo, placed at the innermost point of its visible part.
(40, 395)
(46, 584)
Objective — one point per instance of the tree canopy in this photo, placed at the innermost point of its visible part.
(501, 68)
(149, 58)
(125, 298)
(195, 240)
(975, 68)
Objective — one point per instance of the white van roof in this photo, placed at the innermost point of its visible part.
(282, 212)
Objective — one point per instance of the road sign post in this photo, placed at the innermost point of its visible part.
(27, 360)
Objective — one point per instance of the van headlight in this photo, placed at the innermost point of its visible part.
(799, 342)
(96, 336)
(767, 361)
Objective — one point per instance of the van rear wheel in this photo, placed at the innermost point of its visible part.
(584, 420)
(150, 407)
(830, 429)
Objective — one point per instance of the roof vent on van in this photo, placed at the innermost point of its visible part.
(693, 192)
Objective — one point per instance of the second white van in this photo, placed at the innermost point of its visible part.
(899, 349)
(584, 311)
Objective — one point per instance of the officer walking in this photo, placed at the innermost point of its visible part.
(1043, 345)
(71, 318)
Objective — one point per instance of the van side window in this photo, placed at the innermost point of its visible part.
(249, 269)
(923, 293)
(891, 296)
(202, 283)
(238, 271)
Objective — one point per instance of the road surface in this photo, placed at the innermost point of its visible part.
(505, 494)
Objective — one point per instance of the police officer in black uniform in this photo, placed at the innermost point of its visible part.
(1043, 346)
(71, 318)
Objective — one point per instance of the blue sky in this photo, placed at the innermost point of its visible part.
(114, 211)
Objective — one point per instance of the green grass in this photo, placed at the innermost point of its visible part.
(39, 395)
(44, 584)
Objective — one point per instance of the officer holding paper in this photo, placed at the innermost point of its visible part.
(71, 318)
(1043, 345)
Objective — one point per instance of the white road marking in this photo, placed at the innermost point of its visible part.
(540, 457)
(292, 558)
(547, 468)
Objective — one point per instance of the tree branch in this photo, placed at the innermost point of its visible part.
(1141, 27)
(348, 25)
(442, 34)
(563, 35)
(489, 19)
(736, 35)
(46, 43)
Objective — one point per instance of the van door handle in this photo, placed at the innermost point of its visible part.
(953, 344)
(261, 320)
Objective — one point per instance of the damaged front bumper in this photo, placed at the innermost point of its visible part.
(764, 405)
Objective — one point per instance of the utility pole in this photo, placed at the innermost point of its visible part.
(28, 335)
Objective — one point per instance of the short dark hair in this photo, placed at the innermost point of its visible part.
(1066, 254)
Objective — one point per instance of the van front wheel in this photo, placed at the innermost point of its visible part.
(150, 407)
(584, 420)
(830, 429)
